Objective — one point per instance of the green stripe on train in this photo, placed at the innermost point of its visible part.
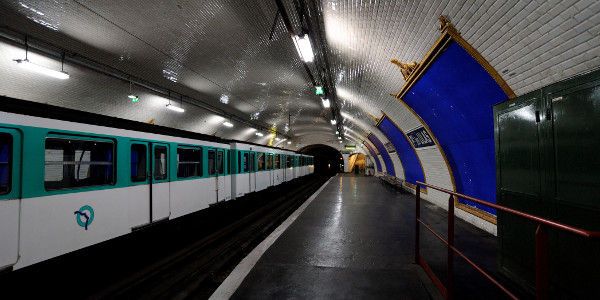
(29, 150)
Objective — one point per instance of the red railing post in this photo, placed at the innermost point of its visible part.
(541, 263)
(450, 284)
(418, 216)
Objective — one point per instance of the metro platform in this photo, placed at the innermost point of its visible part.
(356, 240)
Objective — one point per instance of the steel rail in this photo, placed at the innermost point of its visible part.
(541, 244)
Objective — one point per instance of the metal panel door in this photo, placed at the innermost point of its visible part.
(519, 180)
(10, 162)
(575, 184)
(160, 207)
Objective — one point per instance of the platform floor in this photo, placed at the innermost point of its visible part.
(355, 240)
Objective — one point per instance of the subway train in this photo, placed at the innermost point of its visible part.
(71, 179)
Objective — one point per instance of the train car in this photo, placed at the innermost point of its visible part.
(70, 179)
(109, 180)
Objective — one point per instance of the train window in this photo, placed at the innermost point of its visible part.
(261, 162)
(252, 162)
(160, 163)
(189, 162)
(78, 163)
(239, 164)
(277, 161)
(5, 163)
(211, 162)
(270, 162)
(288, 162)
(220, 167)
(246, 162)
(138, 162)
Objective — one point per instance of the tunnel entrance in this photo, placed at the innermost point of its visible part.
(328, 161)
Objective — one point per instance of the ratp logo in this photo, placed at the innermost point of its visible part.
(84, 216)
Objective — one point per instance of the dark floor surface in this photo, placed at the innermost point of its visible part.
(356, 240)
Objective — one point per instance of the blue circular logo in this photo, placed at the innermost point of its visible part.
(84, 216)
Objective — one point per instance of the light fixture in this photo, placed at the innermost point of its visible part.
(175, 108)
(277, 139)
(25, 63)
(289, 142)
(333, 122)
(259, 134)
(304, 48)
(326, 102)
(337, 132)
(132, 97)
(340, 142)
(224, 99)
(339, 137)
(319, 90)
(227, 124)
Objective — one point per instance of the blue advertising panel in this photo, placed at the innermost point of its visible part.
(454, 96)
(374, 155)
(408, 157)
(389, 165)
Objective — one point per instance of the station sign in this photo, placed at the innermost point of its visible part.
(420, 138)
(390, 147)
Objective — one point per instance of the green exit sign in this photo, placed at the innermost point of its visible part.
(319, 90)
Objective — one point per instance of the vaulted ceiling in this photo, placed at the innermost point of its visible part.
(241, 53)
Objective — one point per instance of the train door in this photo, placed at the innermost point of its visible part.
(10, 160)
(220, 172)
(160, 187)
(228, 177)
(252, 172)
(270, 171)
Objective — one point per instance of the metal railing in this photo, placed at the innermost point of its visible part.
(541, 244)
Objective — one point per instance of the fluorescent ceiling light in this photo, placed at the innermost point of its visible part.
(337, 132)
(304, 48)
(333, 122)
(289, 142)
(339, 138)
(224, 99)
(326, 103)
(175, 108)
(227, 124)
(340, 142)
(25, 63)
(133, 98)
(277, 139)
(259, 134)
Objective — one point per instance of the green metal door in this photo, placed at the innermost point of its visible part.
(519, 180)
(575, 185)
(548, 165)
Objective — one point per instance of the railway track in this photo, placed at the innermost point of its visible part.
(196, 270)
